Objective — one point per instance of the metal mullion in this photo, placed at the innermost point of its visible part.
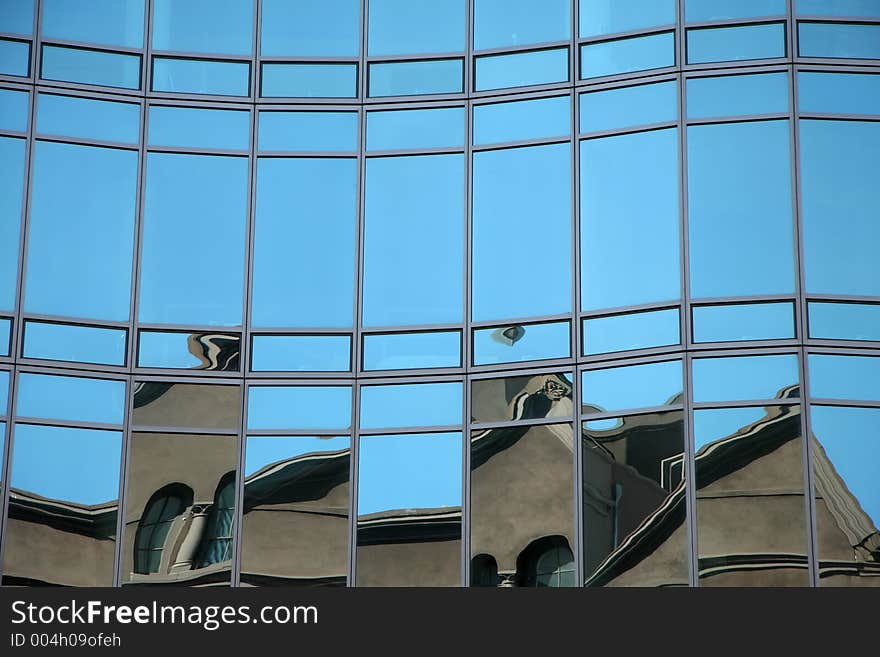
(658, 358)
(6, 464)
(424, 328)
(690, 471)
(844, 298)
(630, 310)
(288, 102)
(756, 69)
(85, 141)
(467, 300)
(197, 151)
(521, 48)
(366, 375)
(627, 34)
(354, 447)
(808, 481)
(778, 116)
(630, 78)
(62, 86)
(532, 368)
(283, 433)
(86, 45)
(399, 431)
(740, 65)
(819, 18)
(746, 299)
(816, 116)
(307, 59)
(630, 412)
(613, 357)
(545, 89)
(193, 101)
(746, 403)
(699, 347)
(737, 22)
(37, 43)
(522, 143)
(628, 130)
(74, 366)
(73, 321)
(254, 79)
(863, 403)
(189, 431)
(850, 344)
(124, 472)
(270, 377)
(545, 319)
(739, 349)
(54, 369)
(531, 422)
(515, 368)
(68, 424)
(414, 58)
(238, 529)
(415, 98)
(169, 376)
(841, 350)
(202, 56)
(175, 371)
(399, 152)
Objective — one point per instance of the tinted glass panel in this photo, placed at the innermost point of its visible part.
(628, 106)
(203, 26)
(5, 337)
(711, 10)
(301, 353)
(625, 55)
(760, 321)
(844, 377)
(861, 8)
(734, 95)
(4, 392)
(636, 386)
(17, 17)
(736, 43)
(845, 321)
(308, 131)
(88, 119)
(522, 69)
(70, 398)
(420, 128)
(109, 22)
(410, 27)
(196, 351)
(309, 80)
(14, 110)
(631, 331)
(15, 57)
(440, 76)
(522, 398)
(199, 128)
(524, 119)
(12, 152)
(839, 40)
(413, 405)
(91, 67)
(201, 77)
(159, 404)
(511, 23)
(299, 407)
(518, 342)
(83, 344)
(746, 377)
(412, 350)
(839, 93)
(312, 28)
(598, 17)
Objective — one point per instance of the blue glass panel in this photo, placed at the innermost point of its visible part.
(436, 76)
(844, 321)
(718, 423)
(14, 110)
(739, 205)
(197, 76)
(598, 17)
(712, 10)
(518, 343)
(511, 188)
(303, 272)
(83, 203)
(299, 407)
(737, 95)
(419, 128)
(70, 398)
(745, 378)
(412, 350)
(626, 55)
(839, 196)
(81, 344)
(15, 57)
(411, 27)
(860, 8)
(838, 93)
(757, 321)
(724, 44)
(636, 386)
(414, 240)
(309, 80)
(194, 204)
(196, 127)
(839, 40)
(17, 17)
(412, 405)
(522, 69)
(643, 330)
(308, 131)
(4, 392)
(220, 26)
(521, 120)
(310, 28)
(12, 152)
(88, 119)
(511, 23)
(628, 106)
(844, 377)
(265, 451)
(107, 22)
(185, 350)
(106, 69)
(5, 335)
(301, 353)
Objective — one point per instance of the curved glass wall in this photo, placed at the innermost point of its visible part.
(447, 293)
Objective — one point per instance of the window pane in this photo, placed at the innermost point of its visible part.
(309, 80)
(310, 28)
(412, 350)
(512, 23)
(839, 40)
(12, 152)
(635, 386)
(628, 106)
(598, 17)
(308, 131)
(107, 22)
(626, 55)
(299, 407)
(15, 57)
(735, 95)
(91, 67)
(88, 119)
(159, 404)
(412, 405)
(194, 127)
(409, 486)
(82, 344)
(414, 240)
(201, 77)
(522, 398)
(196, 351)
(522, 69)
(511, 188)
(301, 353)
(5, 341)
(521, 120)
(70, 398)
(17, 17)
(203, 26)
(518, 343)
(736, 43)
(194, 201)
(83, 203)
(739, 206)
(631, 331)
(712, 10)
(4, 392)
(844, 377)
(860, 8)
(844, 321)
(420, 128)
(411, 27)
(746, 378)
(436, 76)
(759, 321)
(838, 93)
(14, 110)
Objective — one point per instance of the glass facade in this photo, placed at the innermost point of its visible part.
(260, 325)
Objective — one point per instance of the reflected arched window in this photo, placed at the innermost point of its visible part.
(547, 561)
(216, 543)
(484, 570)
(164, 506)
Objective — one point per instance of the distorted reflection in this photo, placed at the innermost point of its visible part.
(521, 342)
(522, 397)
(522, 506)
(196, 351)
(161, 404)
(296, 511)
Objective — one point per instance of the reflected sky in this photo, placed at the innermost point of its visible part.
(301, 353)
(736, 43)
(636, 386)
(197, 76)
(83, 344)
(522, 69)
(718, 423)
(628, 106)
(203, 351)
(310, 28)
(743, 378)
(512, 23)
(308, 131)
(14, 110)
(91, 67)
(436, 76)
(857, 41)
(598, 17)
(759, 321)
(197, 127)
(734, 95)
(14, 57)
(266, 450)
(199, 26)
(844, 377)
(844, 321)
(407, 27)
(107, 22)
(309, 80)
(520, 120)
(837, 8)
(11, 193)
(839, 93)
(17, 17)
(299, 407)
(419, 128)
(5, 334)
(4, 392)
(70, 398)
(710, 10)
(625, 55)
(412, 405)
(631, 331)
(517, 343)
(412, 350)
(88, 119)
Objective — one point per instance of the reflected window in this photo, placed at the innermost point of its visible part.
(166, 505)
(216, 544)
(548, 562)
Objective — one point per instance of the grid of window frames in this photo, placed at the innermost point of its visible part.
(444, 293)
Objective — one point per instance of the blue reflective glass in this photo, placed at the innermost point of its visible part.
(81, 344)
(844, 321)
(310, 28)
(196, 127)
(636, 386)
(737, 95)
(411, 27)
(598, 17)
(308, 131)
(17, 16)
(413, 240)
(184, 350)
(196, 76)
(838, 93)
(303, 272)
(718, 423)
(12, 153)
(70, 398)
(628, 106)
(839, 40)
(522, 120)
(265, 451)
(626, 55)
(88, 119)
(739, 206)
(522, 69)
(194, 204)
(712, 10)
(299, 407)
(511, 188)
(219, 26)
(723, 44)
(14, 110)
(309, 80)
(745, 378)
(436, 76)
(423, 350)
(643, 330)
(758, 321)
(107, 22)
(301, 353)
(5, 335)
(511, 23)
(860, 8)
(411, 405)
(518, 343)
(83, 203)
(419, 128)
(15, 57)
(839, 201)
(106, 69)
(844, 377)
(4, 392)
(629, 195)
